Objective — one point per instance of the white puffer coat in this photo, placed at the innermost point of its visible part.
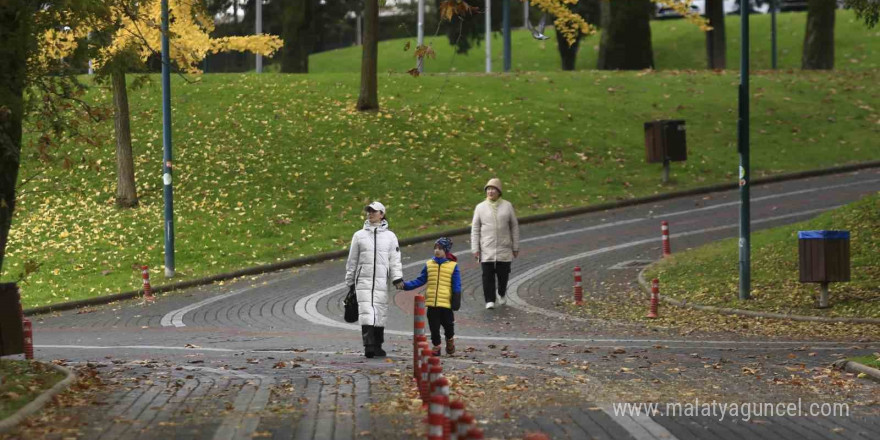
(373, 265)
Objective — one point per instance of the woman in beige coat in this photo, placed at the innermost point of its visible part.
(494, 242)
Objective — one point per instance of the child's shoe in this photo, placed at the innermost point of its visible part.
(436, 351)
(450, 346)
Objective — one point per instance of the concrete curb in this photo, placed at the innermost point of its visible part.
(730, 311)
(318, 258)
(38, 403)
(858, 368)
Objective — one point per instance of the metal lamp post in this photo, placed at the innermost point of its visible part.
(166, 145)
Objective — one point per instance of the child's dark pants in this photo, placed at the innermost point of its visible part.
(437, 317)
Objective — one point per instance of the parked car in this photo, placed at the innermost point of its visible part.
(730, 7)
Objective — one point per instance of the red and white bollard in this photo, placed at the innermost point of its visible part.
(148, 291)
(578, 287)
(655, 298)
(424, 385)
(435, 370)
(664, 228)
(421, 343)
(465, 423)
(419, 320)
(436, 418)
(456, 410)
(475, 434)
(441, 388)
(28, 338)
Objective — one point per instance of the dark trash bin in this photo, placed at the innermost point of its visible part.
(823, 258)
(11, 331)
(665, 141)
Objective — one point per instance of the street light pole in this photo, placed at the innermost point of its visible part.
(259, 32)
(488, 36)
(743, 148)
(774, 5)
(420, 30)
(166, 145)
(505, 18)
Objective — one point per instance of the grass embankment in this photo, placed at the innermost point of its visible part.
(870, 361)
(709, 274)
(273, 167)
(677, 44)
(21, 382)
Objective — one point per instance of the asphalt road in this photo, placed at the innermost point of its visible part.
(270, 356)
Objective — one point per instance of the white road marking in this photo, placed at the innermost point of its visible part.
(307, 307)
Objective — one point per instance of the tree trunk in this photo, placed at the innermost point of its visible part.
(626, 35)
(369, 95)
(298, 36)
(566, 52)
(819, 37)
(15, 30)
(126, 191)
(716, 40)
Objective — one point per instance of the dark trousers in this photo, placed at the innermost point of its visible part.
(441, 317)
(491, 270)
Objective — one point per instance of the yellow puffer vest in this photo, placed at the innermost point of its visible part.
(438, 291)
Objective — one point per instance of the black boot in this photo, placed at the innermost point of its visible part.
(368, 333)
(379, 333)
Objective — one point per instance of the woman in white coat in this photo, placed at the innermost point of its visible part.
(373, 264)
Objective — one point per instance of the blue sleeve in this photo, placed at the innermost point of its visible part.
(456, 280)
(418, 282)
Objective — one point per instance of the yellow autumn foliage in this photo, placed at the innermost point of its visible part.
(140, 30)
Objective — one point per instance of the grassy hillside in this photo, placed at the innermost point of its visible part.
(677, 45)
(271, 167)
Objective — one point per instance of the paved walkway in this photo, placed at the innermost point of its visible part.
(269, 356)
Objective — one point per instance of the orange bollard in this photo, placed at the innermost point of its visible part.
(435, 370)
(475, 434)
(456, 410)
(578, 287)
(424, 385)
(436, 418)
(419, 321)
(28, 338)
(417, 358)
(465, 423)
(655, 298)
(148, 291)
(664, 229)
(441, 388)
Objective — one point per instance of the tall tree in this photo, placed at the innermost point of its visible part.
(16, 21)
(590, 11)
(127, 36)
(368, 99)
(716, 40)
(626, 35)
(819, 37)
(126, 190)
(298, 33)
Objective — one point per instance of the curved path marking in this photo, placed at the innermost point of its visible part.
(307, 309)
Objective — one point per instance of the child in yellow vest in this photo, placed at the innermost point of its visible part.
(442, 295)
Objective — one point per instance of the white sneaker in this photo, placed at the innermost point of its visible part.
(502, 300)
(490, 305)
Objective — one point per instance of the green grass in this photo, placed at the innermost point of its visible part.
(271, 167)
(677, 44)
(871, 361)
(709, 274)
(21, 382)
